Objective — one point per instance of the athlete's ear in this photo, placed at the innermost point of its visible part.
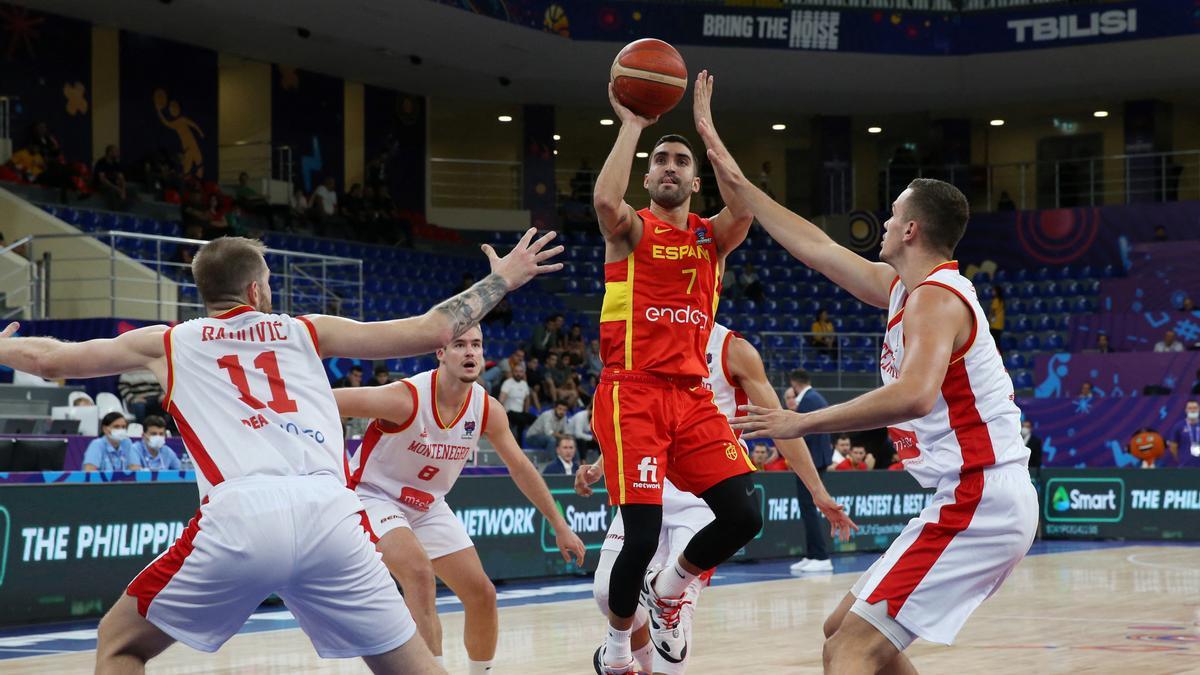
(696, 185)
(253, 291)
(646, 180)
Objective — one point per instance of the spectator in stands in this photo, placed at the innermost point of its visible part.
(503, 370)
(1085, 390)
(896, 464)
(354, 207)
(1184, 441)
(565, 462)
(163, 174)
(250, 200)
(1005, 202)
(29, 163)
(112, 451)
(1102, 344)
(324, 204)
(824, 336)
(193, 214)
(573, 344)
(220, 221)
(1188, 305)
(579, 426)
(56, 174)
(536, 378)
(299, 209)
(140, 392)
(558, 383)
(152, 450)
(591, 359)
(382, 376)
(803, 398)
(1032, 442)
(1160, 233)
(515, 396)
(550, 426)
(353, 378)
(751, 286)
(547, 337)
(110, 180)
(501, 313)
(996, 314)
(858, 460)
(759, 457)
(1168, 343)
(764, 179)
(775, 461)
(841, 449)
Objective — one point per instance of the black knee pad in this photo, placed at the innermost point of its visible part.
(734, 502)
(642, 524)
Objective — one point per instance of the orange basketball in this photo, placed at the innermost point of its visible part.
(649, 77)
(1147, 445)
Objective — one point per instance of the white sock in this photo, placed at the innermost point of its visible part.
(441, 660)
(673, 581)
(645, 657)
(479, 667)
(616, 650)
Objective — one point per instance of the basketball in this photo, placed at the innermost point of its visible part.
(649, 77)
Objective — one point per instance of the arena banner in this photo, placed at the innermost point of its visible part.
(1132, 331)
(1095, 432)
(307, 115)
(46, 69)
(1162, 275)
(1122, 375)
(168, 103)
(395, 125)
(1121, 504)
(854, 29)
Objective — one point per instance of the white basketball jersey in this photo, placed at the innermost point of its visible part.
(726, 394)
(418, 461)
(975, 423)
(249, 394)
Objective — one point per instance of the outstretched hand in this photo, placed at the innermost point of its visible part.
(524, 262)
(10, 329)
(626, 115)
(702, 109)
(585, 477)
(840, 525)
(758, 422)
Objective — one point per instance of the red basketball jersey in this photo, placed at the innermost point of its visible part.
(660, 301)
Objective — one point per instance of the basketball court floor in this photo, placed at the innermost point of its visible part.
(1104, 607)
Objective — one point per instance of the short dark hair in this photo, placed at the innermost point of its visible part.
(800, 375)
(110, 418)
(382, 369)
(841, 436)
(356, 367)
(676, 138)
(562, 402)
(942, 209)
(561, 440)
(225, 266)
(154, 421)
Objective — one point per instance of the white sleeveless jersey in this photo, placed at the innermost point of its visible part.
(418, 461)
(726, 394)
(975, 423)
(249, 394)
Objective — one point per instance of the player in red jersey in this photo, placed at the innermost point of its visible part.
(653, 418)
(276, 516)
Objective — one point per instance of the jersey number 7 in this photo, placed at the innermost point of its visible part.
(268, 363)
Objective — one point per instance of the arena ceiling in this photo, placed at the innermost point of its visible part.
(465, 56)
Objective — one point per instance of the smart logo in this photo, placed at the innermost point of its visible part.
(1085, 500)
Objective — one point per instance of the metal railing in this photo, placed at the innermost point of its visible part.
(851, 362)
(475, 183)
(301, 282)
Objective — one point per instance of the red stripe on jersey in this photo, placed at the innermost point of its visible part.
(487, 404)
(961, 351)
(725, 357)
(895, 319)
(235, 311)
(150, 582)
(892, 287)
(366, 525)
(370, 440)
(195, 448)
(976, 445)
(312, 331)
(166, 402)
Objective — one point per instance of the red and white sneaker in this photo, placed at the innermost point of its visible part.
(667, 630)
(602, 668)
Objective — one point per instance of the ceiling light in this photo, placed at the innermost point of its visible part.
(557, 137)
(874, 130)
(778, 127)
(505, 118)
(643, 155)
(997, 123)
(556, 152)
(1100, 113)
(606, 122)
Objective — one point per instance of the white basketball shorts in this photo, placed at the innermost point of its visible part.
(438, 529)
(954, 555)
(303, 538)
(684, 514)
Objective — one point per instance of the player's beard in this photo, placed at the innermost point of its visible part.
(670, 199)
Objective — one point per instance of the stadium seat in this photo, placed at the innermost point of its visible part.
(1008, 342)
(1015, 361)
(1022, 324)
(1083, 305)
(1046, 322)
(981, 278)
(1037, 306)
(1031, 343)
(1041, 274)
(1055, 342)
(1001, 276)
(1023, 379)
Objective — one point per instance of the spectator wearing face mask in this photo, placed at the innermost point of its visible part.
(1034, 443)
(152, 450)
(1184, 441)
(112, 451)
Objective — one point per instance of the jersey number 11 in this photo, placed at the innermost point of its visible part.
(268, 363)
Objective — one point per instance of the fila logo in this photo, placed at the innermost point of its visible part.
(648, 470)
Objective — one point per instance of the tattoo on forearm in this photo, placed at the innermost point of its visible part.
(467, 308)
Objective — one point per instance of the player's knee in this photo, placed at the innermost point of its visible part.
(742, 517)
(831, 625)
(419, 583)
(600, 591)
(833, 649)
(483, 593)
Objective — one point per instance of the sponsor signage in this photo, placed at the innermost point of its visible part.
(1084, 500)
(1121, 504)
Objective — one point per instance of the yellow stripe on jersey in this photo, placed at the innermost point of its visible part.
(620, 448)
(618, 306)
(720, 272)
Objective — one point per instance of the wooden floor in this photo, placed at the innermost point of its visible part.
(1120, 610)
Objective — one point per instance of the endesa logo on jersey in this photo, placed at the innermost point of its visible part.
(1085, 500)
(687, 315)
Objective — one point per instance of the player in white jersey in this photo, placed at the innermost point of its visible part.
(949, 404)
(736, 377)
(248, 392)
(423, 431)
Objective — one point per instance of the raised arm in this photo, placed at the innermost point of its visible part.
(865, 280)
(530, 482)
(439, 326)
(52, 359)
(746, 367)
(731, 225)
(618, 220)
(928, 345)
(395, 402)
